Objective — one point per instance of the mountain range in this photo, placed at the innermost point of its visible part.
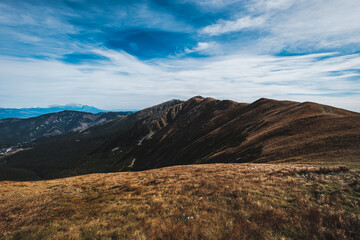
(34, 112)
(15, 131)
(199, 130)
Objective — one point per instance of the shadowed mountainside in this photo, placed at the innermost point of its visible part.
(200, 130)
(35, 112)
(17, 131)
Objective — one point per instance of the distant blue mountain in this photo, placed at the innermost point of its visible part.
(34, 112)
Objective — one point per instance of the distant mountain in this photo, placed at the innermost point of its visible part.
(34, 112)
(199, 130)
(15, 131)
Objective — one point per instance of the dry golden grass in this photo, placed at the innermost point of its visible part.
(216, 201)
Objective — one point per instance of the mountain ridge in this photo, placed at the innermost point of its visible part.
(16, 131)
(201, 130)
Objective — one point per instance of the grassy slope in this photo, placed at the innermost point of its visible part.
(215, 201)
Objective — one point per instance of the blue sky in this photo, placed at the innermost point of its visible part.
(129, 54)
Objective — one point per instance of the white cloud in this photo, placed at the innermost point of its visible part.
(222, 26)
(199, 47)
(208, 48)
(211, 4)
(301, 26)
(324, 23)
(297, 26)
(294, 26)
(268, 5)
(130, 83)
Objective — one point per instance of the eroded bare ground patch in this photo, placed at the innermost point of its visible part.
(215, 201)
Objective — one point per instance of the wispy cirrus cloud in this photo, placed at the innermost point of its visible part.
(222, 27)
(308, 26)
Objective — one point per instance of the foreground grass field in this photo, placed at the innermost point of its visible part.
(216, 201)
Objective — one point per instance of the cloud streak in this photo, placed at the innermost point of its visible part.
(222, 27)
(305, 26)
(131, 83)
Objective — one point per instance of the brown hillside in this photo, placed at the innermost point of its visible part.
(211, 201)
(200, 130)
(209, 130)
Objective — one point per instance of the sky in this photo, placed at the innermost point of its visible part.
(127, 54)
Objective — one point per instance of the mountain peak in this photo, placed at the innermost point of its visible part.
(264, 100)
(197, 97)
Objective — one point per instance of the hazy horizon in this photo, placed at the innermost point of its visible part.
(69, 105)
(123, 109)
